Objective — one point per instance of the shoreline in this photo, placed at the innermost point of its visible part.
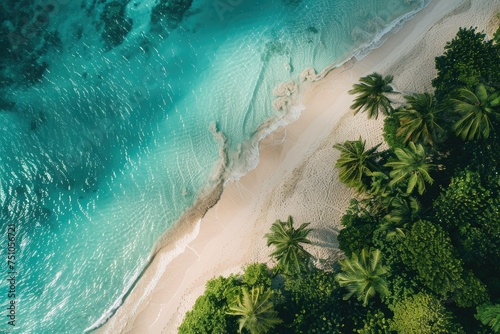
(188, 222)
(231, 231)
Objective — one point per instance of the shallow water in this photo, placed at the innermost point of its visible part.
(108, 143)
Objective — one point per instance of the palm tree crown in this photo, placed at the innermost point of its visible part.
(477, 110)
(403, 210)
(418, 120)
(363, 276)
(489, 315)
(371, 95)
(411, 165)
(256, 311)
(355, 162)
(288, 241)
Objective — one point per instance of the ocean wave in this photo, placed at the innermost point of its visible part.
(364, 49)
(161, 263)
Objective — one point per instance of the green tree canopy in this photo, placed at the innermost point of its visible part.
(478, 109)
(315, 304)
(355, 164)
(363, 275)
(423, 314)
(403, 210)
(468, 60)
(358, 226)
(470, 208)
(376, 322)
(428, 251)
(257, 274)
(489, 315)
(391, 126)
(411, 166)
(473, 292)
(288, 241)
(419, 121)
(371, 95)
(209, 312)
(255, 310)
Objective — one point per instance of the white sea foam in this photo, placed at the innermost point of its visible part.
(164, 259)
(377, 41)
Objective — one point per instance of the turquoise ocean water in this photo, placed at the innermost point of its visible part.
(112, 119)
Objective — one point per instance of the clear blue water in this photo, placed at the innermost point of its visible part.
(102, 154)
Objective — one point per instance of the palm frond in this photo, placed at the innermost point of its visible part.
(372, 95)
(363, 276)
(288, 243)
(256, 311)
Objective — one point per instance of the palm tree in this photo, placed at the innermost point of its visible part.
(355, 162)
(363, 276)
(418, 120)
(411, 165)
(489, 315)
(288, 241)
(256, 311)
(371, 95)
(403, 210)
(477, 110)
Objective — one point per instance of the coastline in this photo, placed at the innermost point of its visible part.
(231, 232)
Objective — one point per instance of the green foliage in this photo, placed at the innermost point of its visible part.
(257, 274)
(289, 252)
(375, 323)
(468, 60)
(476, 156)
(358, 229)
(477, 109)
(489, 315)
(352, 238)
(403, 284)
(428, 251)
(470, 209)
(315, 305)
(372, 94)
(406, 208)
(391, 126)
(412, 167)
(209, 312)
(419, 121)
(311, 302)
(403, 281)
(402, 210)
(423, 314)
(364, 275)
(473, 293)
(355, 163)
(255, 310)
(380, 193)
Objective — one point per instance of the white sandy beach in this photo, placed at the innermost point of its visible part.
(295, 175)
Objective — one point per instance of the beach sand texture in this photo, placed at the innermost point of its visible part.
(295, 175)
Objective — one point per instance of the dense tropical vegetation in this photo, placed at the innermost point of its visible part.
(422, 238)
